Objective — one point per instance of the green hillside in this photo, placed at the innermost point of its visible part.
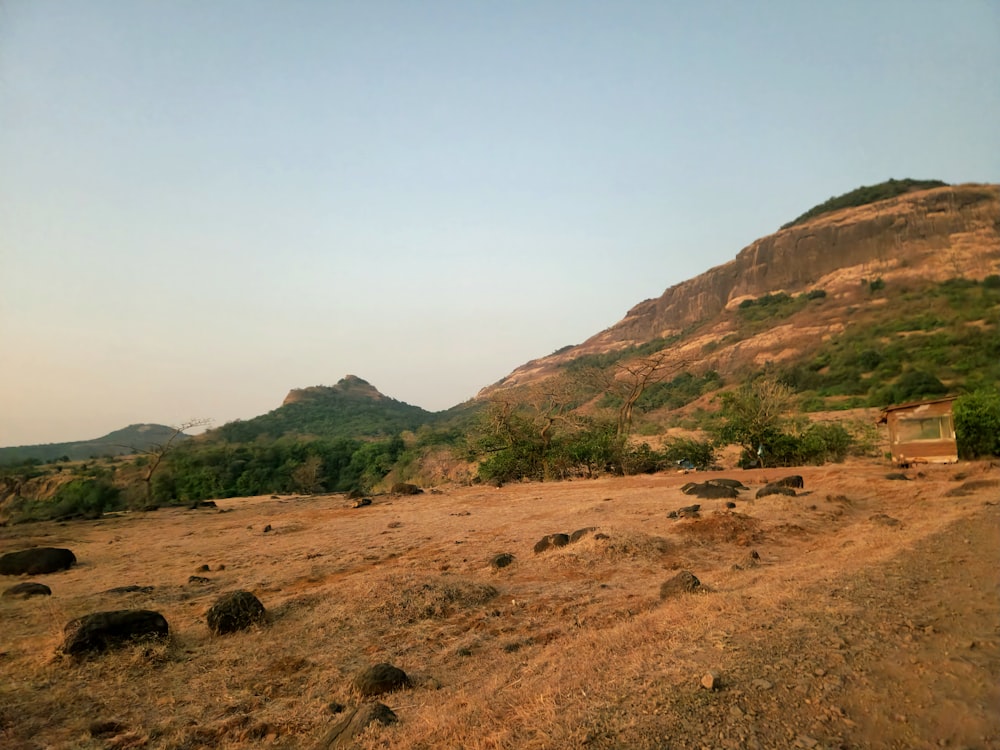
(352, 408)
(128, 440)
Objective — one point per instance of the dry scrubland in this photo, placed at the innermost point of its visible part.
(871, 620)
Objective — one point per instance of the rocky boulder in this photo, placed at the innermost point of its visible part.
(551, 540)
(26, 590)
(379, 679)
(237, 610)
(344, 733)
(684, 582)
(36, 561)
(101, 631)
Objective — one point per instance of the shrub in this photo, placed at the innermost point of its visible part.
(81, 498)
(977, 423)
(683, 451)
(85, 498)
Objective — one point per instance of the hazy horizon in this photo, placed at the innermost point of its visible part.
(206, 205)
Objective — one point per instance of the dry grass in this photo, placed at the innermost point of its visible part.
(560, 649)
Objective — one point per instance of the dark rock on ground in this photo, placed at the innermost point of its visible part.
(130, 590)
(774, 489)
(551, 540)
(403, 488)
(897, 476)
(36, 561)
(267, 529)
(794, 480)
(237, 610)
(502, 560)
(884, 520)
(684, 582)
(100, 631)
(581, 533)
(707, 491)
(362, 502)
(26, 590)
(199, 579)
(736, 484)
(601, 535)
(730, 505)
(104, 728)
(344, 732)
(379, 679)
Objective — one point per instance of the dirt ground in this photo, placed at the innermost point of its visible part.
(870, 620)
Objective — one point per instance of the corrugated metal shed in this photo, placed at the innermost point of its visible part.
(921, 432)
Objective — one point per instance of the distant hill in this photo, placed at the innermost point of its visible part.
(353, 408)
(860, 305)
(128, 440)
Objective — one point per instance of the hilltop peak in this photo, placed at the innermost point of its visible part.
(350, 385)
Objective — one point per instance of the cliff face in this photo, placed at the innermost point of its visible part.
(932, 234)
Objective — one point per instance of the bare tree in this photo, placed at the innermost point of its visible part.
(631, 379)
(156, 452)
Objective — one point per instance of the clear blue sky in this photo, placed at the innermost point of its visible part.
(206, 204)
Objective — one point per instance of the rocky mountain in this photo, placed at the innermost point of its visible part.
(353, 408)
(903, 243)
(128, 440)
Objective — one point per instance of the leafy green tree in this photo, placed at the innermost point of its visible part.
(753, 416)
(977, 423)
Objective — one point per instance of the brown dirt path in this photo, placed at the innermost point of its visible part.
(901, 655)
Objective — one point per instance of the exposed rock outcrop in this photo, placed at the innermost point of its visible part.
(931, 234)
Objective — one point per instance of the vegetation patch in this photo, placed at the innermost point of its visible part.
(864, 195)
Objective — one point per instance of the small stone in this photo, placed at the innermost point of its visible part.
(762, 684)
(683, 582)
(712, 680)
(267, 528)
(26, 590)
(502, 560)
(806, 741)
(736, 712)
(380, 678)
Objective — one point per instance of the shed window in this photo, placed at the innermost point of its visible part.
(924, 428)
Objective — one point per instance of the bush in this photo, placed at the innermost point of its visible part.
(85, 498)
(817, 444)
(81, 498)
(685, 451)
(977, 423)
